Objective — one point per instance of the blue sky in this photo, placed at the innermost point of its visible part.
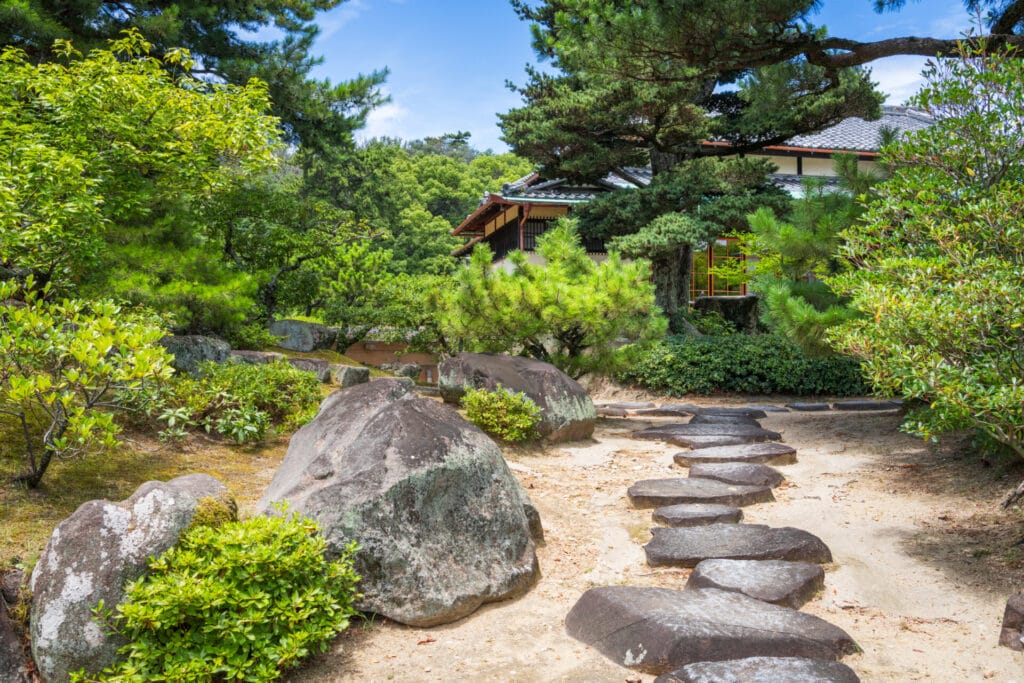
(449, 59)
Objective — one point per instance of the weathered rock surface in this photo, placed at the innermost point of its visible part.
(438, 515)
(13, 662)
(299, 335)
(567, 413)
(317, 366)
(864, 404)
(809, 407)
(10, 585)
(721, 411)
(411, 370)
(679, 490)
(763, 670)
(255, 357)
(189, 350)
(706, 435)
(789, 584)
(773, 453)
(657, 630)
(1012, 634)
(744, 473)
(689, 546)
(696, 442)
(93, 554)
(697, 514)
(713, 419)
(670, 410)
(349, 375)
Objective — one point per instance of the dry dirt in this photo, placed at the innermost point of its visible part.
(924, 558)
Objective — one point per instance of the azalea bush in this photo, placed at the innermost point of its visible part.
(509, 415)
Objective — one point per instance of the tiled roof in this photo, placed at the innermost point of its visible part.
(794, 184)
(857, 135)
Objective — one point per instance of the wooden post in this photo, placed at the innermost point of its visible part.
(522, 226)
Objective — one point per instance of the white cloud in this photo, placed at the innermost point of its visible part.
(898, 77)
(387, 120)
(338, 18)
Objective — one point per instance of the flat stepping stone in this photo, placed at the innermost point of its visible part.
(656, 493)
(768, 408)
(697, 514)
(604, 411)
(627, 405)
(753, 413)
(682, 434)
(789, 584)
(657, 630)
(763, 670)
(707, 441)
(773, 453)
(712, 419)
(866, 405)
(744, 473)
(670, 410)
(686, 547)
(809, 407)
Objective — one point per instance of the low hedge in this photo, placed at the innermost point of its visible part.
(749, 364)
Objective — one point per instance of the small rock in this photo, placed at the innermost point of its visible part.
(774, 453)
(744, 473)
(349, 375)
(317, 366)
(10, 585)
(688, 546)
(13, 662)
(1012, 635)
(255, 357)
(411, 370)
(763, 670)
(697, 514)
(678, 490)
(189, 350)
(789, 584)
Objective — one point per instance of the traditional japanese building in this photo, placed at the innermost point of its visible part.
(525, 209)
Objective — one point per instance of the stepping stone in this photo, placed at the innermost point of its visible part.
(809, 407)
(697, 514)
(743, 473)
(762, 670)
(866, 405)
(774, 453)
(655, 493)
(754, 413)
(789, 584)
(627, 405)
(657, 630)
(603, 411)
(707, 441)
(679, 434)
(688, 546)
(712, 419)
(769, 408)
(670, 410)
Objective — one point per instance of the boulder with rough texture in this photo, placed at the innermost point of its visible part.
(774, 453)
(299, 335)
(697, 514)
(403, 369)
(350, 375)
(93, 554)
(317, 366)
(657, 630)
(679, 490)
(763, 670)
(789, 584)
(189, 350)
(743, 473)
(255, 357)
(1012, 635)
(689, 546)
(567, 413)
(13, 662)
(439, 517)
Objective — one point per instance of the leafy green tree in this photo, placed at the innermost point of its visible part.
(795, 256)
(567, 312)
(63, 364)
(939, 257)
(226, 44)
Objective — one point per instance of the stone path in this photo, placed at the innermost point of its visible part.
(737, 617)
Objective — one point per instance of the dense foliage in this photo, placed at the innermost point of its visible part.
(749, 364)
(569, 311)
(63, 363)
(243, 601)
(508, 415)
(940, 257)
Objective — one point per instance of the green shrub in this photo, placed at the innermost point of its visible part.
(508, 415)
(252, 337)
(751, 364)
(242, 601)
(242, 401)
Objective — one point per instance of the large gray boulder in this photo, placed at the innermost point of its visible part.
(189, 350)
(299, 335)
(567, 413)
(439, 517)
(93, 554)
